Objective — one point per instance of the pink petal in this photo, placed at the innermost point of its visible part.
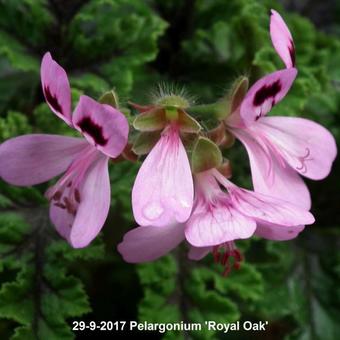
(308, 147)
(274, 232)
(266, 93)
(94, 205)
(282, 39)
(209, 226)
(33, 159)
(102, 125)
(263, 207)
(163, 190)
(56, 88)
(197, 254)
(269, 209)
(144, 244)
(270, 176)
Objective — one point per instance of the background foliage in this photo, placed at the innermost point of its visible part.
(131, 45)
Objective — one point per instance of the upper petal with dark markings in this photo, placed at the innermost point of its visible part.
(56, 88)
(282, 39)
(102, 125)
(266, 93)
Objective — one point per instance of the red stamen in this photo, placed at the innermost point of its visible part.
(216, 254)
(229, 251)
(237, 255)
(226, 271)
(60, 205)
(237, 265)
(225, 258)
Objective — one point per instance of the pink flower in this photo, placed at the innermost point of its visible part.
(281, 148)
(163, 190)
(145, 244)
(148, 243)
(218, 218)
(80, 199)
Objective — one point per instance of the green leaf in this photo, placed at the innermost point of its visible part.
(42, 284)
(180, 289)
(119, 35)
(13, 125)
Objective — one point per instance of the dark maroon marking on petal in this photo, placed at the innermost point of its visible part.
(292, 52)
(94, 130)
(77, 195)
(57, 196)
(267, 91)
(60, 205)
(52, 100)
(71, 209)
